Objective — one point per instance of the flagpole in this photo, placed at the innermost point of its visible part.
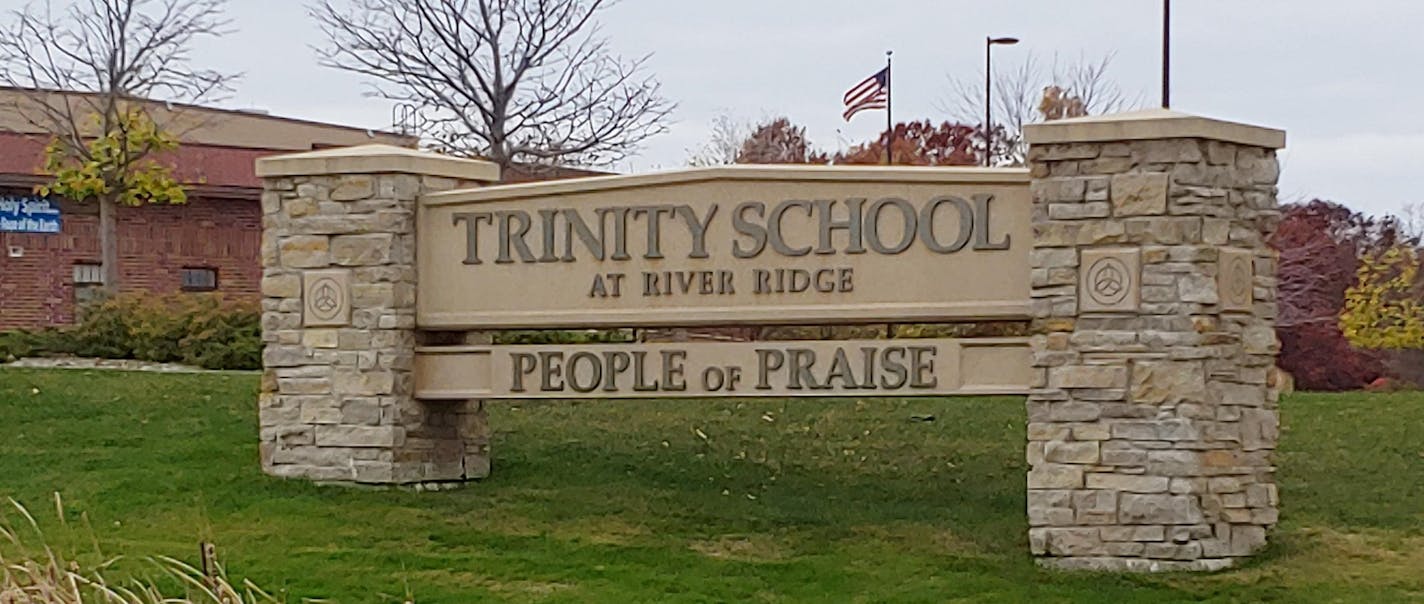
(889, 119)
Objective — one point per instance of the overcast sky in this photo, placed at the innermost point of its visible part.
(1341, 77)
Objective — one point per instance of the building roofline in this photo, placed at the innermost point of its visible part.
(209, 108)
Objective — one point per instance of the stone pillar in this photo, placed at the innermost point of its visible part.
(1152, 417)
(339, 327)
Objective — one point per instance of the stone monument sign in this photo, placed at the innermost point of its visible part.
(1132, 246)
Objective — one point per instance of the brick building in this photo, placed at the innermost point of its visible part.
(209, 244)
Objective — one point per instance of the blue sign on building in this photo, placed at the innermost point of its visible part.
(28, 214)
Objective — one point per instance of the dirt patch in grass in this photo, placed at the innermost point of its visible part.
(745, 548)
(921, 538)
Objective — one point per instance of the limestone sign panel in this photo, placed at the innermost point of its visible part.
(728, 246)
(912, 367)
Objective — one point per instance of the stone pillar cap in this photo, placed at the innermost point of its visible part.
(1151, 124)
(376, 159)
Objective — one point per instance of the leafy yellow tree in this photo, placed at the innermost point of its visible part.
(1384, 309)
(117, 167)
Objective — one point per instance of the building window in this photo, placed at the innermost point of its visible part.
(88, 283)
(200, 279)
(88, 274)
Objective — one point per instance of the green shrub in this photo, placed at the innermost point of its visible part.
(15, 345)
(204, 330)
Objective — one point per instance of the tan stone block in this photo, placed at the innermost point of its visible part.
(1091, 432)
(1050, 516)
(271, 202)
(1216, 231)
(1071, 452)
(1061, 498)
(1101, 232)
(364, 383)
(361, 411)
(1053, 257)
(1078, 211)
(1123, 457)
(1175, 230)
(304, 386)
(299, 207)
(1127, 483)
(362, 250)
(1041, 431)
(321, 412)
(1133, 533)
(1136, 508)
(282, 286)
(305, 472)
(1088, 376)
(1140, 194)
(1261, 495)
(1034, 453)
(374, 472)
(1054, 476)
(1260, 428)
(1073, 542)
(1175, 463)
(1107, 165)
(1095, 507)
(1198, 288)
(305, 251)
(1173, 150)
(1159, 382)
(353, 188)
(268, 252)
(1265, 517)
(320, 338)
(1060, 152)
(359, 436)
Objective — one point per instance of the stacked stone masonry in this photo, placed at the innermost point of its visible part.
(1152, 416)
(337, 395)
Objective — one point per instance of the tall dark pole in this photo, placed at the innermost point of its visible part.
(889, 118)
(988, 100)
(1166, 54)
(989, 43)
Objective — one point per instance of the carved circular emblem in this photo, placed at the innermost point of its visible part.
(1109, 281)
(327, 299)
(1238, 280)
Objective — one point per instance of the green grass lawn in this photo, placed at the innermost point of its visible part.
(697, 501)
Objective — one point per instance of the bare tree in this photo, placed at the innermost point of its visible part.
(724, 143)
(515, 81)
(116, 54)
(1411, 220)
(1028, 92)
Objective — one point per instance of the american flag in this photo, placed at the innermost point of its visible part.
(873, 93)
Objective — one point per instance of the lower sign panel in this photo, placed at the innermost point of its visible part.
(919, 367)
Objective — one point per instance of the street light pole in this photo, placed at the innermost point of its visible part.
(989, 43)
(1166, 54)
